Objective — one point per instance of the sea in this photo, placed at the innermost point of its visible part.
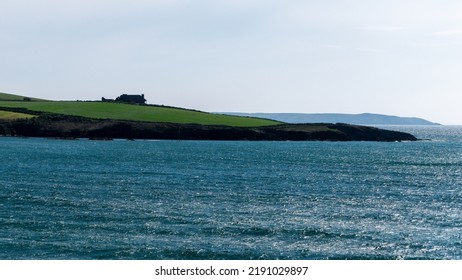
(209, 200)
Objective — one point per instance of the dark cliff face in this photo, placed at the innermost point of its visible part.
(77, 127)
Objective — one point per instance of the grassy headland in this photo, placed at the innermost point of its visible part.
(128, 112)
(21, 116)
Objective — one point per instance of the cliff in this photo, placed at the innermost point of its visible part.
(64, 126)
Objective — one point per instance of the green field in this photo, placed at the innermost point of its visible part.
(120, 111)
(5, 115)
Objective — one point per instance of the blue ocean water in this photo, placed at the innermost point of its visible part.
(122, 199)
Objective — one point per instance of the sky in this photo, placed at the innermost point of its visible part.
(394, 57)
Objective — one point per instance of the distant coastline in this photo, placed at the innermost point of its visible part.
(357, 119)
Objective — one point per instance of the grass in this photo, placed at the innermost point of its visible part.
(5, 115)
(120, 111)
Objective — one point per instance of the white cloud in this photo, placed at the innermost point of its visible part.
(384, 28)
(449, 32)
(429, 45)
(331, 46)
(369, 50)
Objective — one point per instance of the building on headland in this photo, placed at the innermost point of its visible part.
(127, 98)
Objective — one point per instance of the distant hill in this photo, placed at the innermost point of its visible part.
(358, 119)
(14, 97)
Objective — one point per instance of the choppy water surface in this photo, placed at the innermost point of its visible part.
(232, 200)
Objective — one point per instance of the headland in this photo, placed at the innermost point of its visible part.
(110, 119)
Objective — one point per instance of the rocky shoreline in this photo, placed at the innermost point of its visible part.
(69, 127)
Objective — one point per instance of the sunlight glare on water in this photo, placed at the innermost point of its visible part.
(232, 200)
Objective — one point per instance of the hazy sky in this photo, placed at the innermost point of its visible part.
(397, 57)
